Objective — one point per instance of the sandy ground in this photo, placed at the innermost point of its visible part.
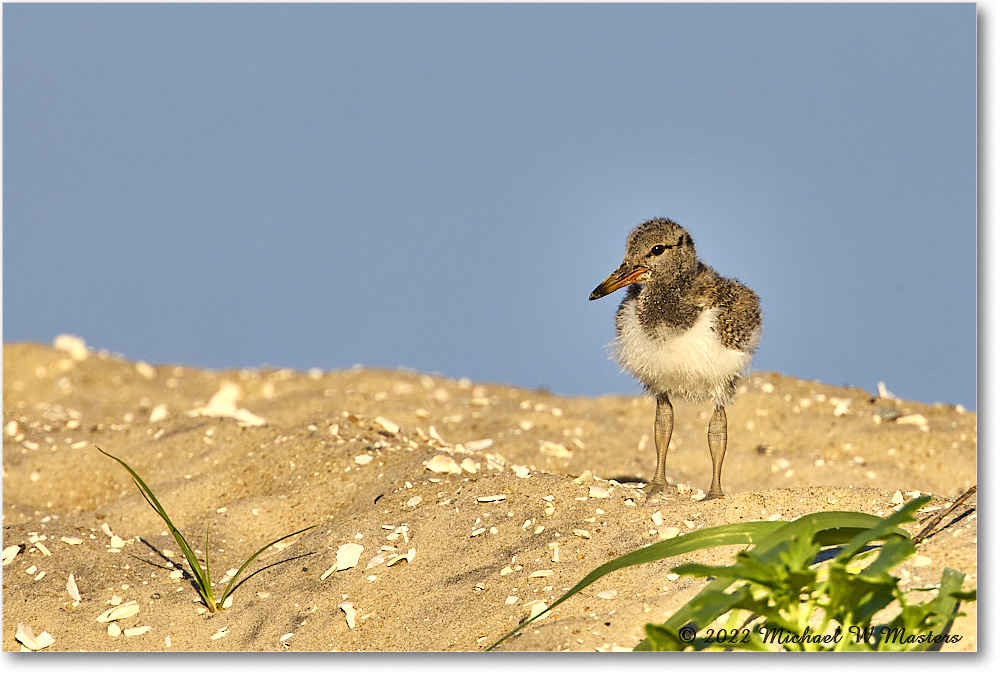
(544, 477)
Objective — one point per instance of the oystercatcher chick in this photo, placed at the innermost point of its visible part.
(683, 331)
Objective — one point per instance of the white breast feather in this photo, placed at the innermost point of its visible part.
(692, 364)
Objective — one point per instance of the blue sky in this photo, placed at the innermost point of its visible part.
(441, 186)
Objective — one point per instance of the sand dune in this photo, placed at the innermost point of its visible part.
(528, 492)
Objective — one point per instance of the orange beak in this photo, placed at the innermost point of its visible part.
(618, 279)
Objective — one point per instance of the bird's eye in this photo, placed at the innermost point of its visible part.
(658, 249)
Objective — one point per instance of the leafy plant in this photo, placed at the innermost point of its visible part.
(791, 603)
(202, 576)
(780, 585)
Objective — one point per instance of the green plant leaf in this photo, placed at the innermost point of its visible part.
(249, 560)
(710, 537)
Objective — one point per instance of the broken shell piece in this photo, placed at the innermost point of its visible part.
(223, 404)
(72, 589)
(657, 518)
(159, 413)
(117, 542)
(480, 445)
(443, 464)
(130, 608)
(470, 465)
(72, 541)
(387, 425)
(540, 574)
(883, 392)
(582, 533)
(221, 633)
(114, 630)
(414, 500)
(520, 471)
(841, 406)
(72, 345)
(554, 450)
(537, 608)
(139, 630)
(607, 595)
(363, 459)
(349, 613)
(598, 492)
(408, 557)
(492, 498)
(916, 419)
(27, 637)
(669, 532)
(41, 547)
(348, 556)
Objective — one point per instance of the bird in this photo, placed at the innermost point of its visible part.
(683, 331)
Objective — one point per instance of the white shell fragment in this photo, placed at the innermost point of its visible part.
(916, 419)
(348, 556)
(9, 554)
(554, 450)
(607, 595)
(72, 541)
(159, 413)
(492, 498)
(146, 370)
(349, 613)
(223, 404)
(138, 630)
(221, 633)
(669, 532)
(72, 345)
(598, 492)
(408, 557)
(470, 465)
(480, 445)
(27, 637)
(114, 630)
(72, 589)
(841, 406)
(130, 608)
(537, 608)
(443, 464)
(883, 392)
(387, 425)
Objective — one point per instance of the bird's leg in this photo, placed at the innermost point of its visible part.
(662, 430)
(717, 446)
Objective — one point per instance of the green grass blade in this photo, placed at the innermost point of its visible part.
(201, 581)
(710, 537)
(208, 576)
(883, 528)
(229, 586)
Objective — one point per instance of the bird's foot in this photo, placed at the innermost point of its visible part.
(714, 493)
(654, 488)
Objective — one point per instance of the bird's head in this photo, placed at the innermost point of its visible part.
(659, 249)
